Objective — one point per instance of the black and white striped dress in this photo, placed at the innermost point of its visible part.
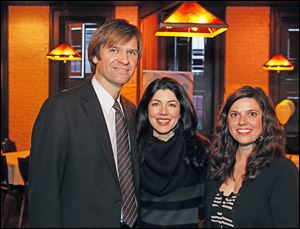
(222, 205)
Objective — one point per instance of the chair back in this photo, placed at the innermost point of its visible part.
(4, 170)
(8, 145)
(23, 167)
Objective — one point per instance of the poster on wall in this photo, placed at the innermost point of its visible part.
(186, 79)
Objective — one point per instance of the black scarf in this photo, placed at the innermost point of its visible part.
(163, 168)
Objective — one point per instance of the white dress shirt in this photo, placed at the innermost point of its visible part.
(107, 102)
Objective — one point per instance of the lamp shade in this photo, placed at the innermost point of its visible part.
(191, 20)
(64, 52)
(278, 63)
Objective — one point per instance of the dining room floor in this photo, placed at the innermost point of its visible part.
(10, 214)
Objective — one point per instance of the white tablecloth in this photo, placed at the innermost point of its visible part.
(14, 175)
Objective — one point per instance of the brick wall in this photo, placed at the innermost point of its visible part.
(28, 38)
(247, 47)
(28, 67)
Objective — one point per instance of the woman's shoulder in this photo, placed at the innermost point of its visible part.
(281, 168)
(282, 162)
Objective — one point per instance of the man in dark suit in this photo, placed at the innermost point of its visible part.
(73, 174)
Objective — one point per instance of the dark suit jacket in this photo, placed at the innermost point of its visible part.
(271, 200)
(72, 177)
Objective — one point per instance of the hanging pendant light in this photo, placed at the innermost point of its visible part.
(191, 20)
(64, 52)
(278, 63)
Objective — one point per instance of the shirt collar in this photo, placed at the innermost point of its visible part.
(106, 100)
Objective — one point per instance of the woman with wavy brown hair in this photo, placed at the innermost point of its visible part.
(251, 183)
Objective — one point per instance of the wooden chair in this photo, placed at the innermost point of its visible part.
(4, 181)
(8, 145)
(15, 191)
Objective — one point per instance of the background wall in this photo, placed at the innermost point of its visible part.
(28, 44)
(130, 13)
(150, 49)
(247, 47)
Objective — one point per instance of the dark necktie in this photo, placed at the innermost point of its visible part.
(125, 168)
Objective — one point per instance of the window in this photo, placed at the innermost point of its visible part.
(285, 85)
(198, 101)
(79, 35)
(194, 55)
(293, 45)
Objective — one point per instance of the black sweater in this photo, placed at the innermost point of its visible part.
(172, 191)
(271, 200)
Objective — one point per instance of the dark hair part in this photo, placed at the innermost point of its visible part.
(109, 34)
(188, 120)
(269, 144)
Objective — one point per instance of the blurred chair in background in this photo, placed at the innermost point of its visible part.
(8, 145)
(4, 181)
(15, 191)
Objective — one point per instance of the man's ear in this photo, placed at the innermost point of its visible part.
(95, 60)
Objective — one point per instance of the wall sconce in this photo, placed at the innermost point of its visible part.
(191, 20)
(64, 52)
(278, 63)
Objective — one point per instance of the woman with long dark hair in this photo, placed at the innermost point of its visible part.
(251, 183)
(172, 156)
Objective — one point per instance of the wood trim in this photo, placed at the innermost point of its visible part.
(219, 72)
(274, 49)
(4, 72)
(219, 66)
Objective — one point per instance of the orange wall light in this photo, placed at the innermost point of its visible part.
(191, 20)
(64, 52)
(278, 63)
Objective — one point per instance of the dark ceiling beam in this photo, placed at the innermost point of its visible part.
(149, 7)
(73, 3)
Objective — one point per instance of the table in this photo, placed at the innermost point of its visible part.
(14, 175)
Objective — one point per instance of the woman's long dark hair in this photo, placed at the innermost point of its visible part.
(187, 123)
(269, 144)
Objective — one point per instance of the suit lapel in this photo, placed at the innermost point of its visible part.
(92, 108)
